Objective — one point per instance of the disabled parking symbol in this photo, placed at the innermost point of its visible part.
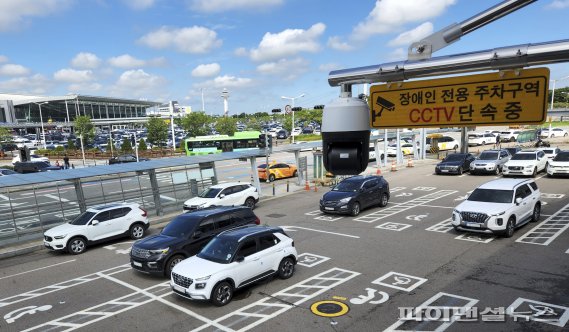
(399, 281)
(310, 260)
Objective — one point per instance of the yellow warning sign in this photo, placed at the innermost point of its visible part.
(508, 97)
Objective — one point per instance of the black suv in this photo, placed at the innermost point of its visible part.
(356, 193)
(185, 236)
(34, 166)
(455, 163)
(127, 158)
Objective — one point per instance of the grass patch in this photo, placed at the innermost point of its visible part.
(309, 137)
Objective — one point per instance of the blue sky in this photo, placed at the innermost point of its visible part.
(259, 50)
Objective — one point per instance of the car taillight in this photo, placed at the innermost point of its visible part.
(257, 221)
(144, 213)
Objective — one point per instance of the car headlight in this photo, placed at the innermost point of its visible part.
(159, 251)
(59, 237)
(203, 278)
(345, 200)
(529, 166)
(497, 214)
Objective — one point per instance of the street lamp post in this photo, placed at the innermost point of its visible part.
(41, 120)
(292, 111)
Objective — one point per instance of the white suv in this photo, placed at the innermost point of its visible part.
(225, 194)
(509, 135)
(498, 207)
(98, 224)
(525, 163)
(234, 259)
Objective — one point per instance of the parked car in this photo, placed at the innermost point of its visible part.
(499, 207)
(550, 152)
(406, 148)
(444, 143)
(98, 224)
(224, 194)
(356, 193)
(481, 139)
(276, 171)
(455, 163)
(559, 165)
(185, 236)
(282, 134)
(34, 166)
(509, 135)
(33, 157)
(372, 153)
(5, 172)
(555, 132)
(490, 161)
(525, 163)
(307, 130)
(127, 158)
(232, 260)
(296, 131)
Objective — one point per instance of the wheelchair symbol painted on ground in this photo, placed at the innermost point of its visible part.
(399, 281)
(11, 317)
(310, 260)
(393, 226)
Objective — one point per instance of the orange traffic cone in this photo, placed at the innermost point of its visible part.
(393, 166)
(410, 162)
(306, 186)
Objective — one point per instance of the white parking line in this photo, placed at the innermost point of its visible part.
(291, 228)
(41, 268)
(442, 227)
(168, 198)
(549, 229)
(61, 199)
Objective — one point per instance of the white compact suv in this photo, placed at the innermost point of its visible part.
(98, 224)
(525, 163)
(234, 259)
(225, 194)
(559, 165)
(498, 207)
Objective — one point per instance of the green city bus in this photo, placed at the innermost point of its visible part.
(241, 140)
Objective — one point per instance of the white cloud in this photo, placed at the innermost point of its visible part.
(85, 60)
(328, 67)
(414, 35)
(389, 15)
(288, 42)
(195, 40)
(73, 76)
(558, 4)
(84, 88)
(3, 58)
(336, 43)
(211, 6)
(36, 84)
(136, 82)
(397, 54)
(206, 70)
(285, 69)
(14, 13)
(139, 4)
(10, 69)
(226, 81)
(126, 61)
(241, 51)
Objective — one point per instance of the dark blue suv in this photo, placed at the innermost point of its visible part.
(355, 194)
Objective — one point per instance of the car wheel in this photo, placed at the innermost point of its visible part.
(222, 294)
(76, 245)
(483, 143)
(294, 174)
(510, 226)
(512, 139)
(136, 231)
(552, 135)
(497, 171)
(565, 135)
(536, 213)
(355, 209)
(460, 171)
(271, 177)
(534, 172)
(455, 228)
(383, 200)
(250, 203)
(286, 268)
(173, 261)
(455, 147)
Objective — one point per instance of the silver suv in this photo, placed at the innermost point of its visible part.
(490, 162)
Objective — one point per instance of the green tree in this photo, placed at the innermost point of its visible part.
(142, 145)
(226, 126)
(126, 147)
(71, 144)
(5, 135)
(157, 131)
(196, 123)
(84, 128)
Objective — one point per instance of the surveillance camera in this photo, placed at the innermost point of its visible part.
(345, 136)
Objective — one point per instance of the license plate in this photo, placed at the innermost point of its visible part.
(444, 170)
(329, 208)
(473, 224)
(137, 264)
(179, 289)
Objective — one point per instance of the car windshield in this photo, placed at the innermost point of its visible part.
(488, 156)
(563, 156)
(220, 250)
(454, 157)
(347, 186)
(83, 218)
(523, 156)
(180, 226)
(548, 151)
(491, 195)
(210, 193)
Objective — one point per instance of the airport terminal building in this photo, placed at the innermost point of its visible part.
(28, 111)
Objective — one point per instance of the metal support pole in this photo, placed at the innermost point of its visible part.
(398, 152)
(463, 140)
(300, 178)
(155, 191)
(385, 147)
(80, 195)
(253, 161)
(377, 154)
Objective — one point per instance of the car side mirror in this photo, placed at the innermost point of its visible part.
(197, 234)
(222, 195)
(518, 200)
(95, 222)
(239, 259)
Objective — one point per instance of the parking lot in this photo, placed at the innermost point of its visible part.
(401, 267)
